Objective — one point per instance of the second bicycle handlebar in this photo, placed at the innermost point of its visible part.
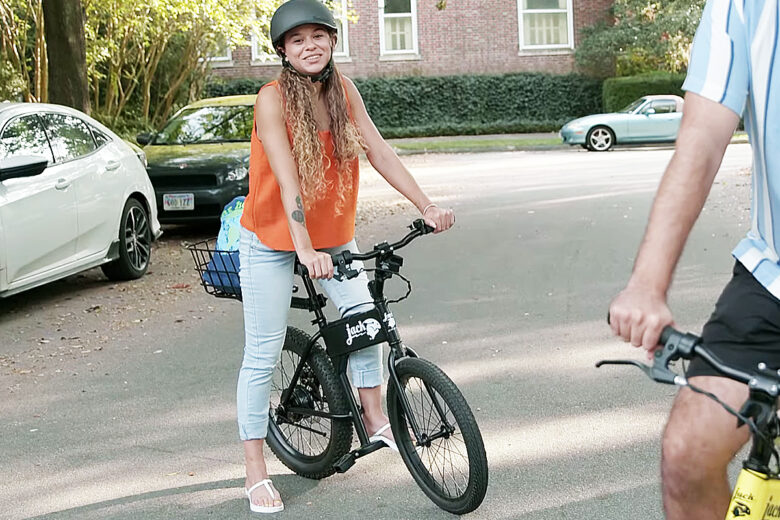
(678, 345)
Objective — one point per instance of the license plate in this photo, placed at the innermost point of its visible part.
(178, 201)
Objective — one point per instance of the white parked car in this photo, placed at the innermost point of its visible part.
(73, 195)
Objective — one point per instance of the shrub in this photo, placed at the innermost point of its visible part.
(619, 92)
(452, 105)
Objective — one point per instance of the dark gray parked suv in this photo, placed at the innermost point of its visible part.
(200, 160)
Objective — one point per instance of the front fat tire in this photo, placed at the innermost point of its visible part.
(431, 375)
(135, 244)
(314, 465)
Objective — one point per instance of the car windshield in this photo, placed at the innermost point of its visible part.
(215, 124)
(633, 106)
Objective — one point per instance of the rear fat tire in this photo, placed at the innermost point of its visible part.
(476, 488)
(135, 244)
(317, 465)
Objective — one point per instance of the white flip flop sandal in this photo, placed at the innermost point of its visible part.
(259, 508)
(390, 443)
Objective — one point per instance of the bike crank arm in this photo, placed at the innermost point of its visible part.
(348, 459)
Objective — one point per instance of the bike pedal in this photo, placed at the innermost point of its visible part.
(345, 462)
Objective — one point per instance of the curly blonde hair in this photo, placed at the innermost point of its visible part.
(307, 148)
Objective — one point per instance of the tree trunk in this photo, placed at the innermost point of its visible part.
(66, 50)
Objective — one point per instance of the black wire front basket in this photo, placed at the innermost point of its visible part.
(217, 270)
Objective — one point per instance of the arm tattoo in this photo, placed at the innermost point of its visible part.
(297, 215)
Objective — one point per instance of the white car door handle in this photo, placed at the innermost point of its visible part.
(112, 165)
(62, 184)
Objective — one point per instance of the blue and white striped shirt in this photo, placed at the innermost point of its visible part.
(735, 62)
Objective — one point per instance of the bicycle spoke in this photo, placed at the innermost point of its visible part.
(445, 459)
(308, 435)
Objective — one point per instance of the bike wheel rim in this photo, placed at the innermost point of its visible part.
(302, 443)
(445, 462)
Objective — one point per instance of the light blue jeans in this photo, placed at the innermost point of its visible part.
(266, 286)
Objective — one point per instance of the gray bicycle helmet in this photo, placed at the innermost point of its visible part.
(295, 13)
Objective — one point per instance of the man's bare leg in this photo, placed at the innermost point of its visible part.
(699, 441)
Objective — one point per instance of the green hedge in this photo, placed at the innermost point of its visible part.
(619, 92)
(458, 105)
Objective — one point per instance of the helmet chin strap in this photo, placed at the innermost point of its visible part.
(320, 76)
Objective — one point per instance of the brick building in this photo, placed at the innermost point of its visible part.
(412, 37)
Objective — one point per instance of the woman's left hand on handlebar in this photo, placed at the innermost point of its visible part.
(439, 218)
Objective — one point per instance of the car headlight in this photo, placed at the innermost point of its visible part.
(238, 173)
(142, 157)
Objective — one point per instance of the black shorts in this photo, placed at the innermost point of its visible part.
(744, 329)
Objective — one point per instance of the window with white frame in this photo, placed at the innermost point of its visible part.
(340, 10)
(259, 55)
(545, 24)
(398, 27)
(222, 56)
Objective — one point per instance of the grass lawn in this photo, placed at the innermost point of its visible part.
(474, 143)
(454, 144)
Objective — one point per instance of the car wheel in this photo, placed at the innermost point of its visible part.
(135, 244)
(600, 139)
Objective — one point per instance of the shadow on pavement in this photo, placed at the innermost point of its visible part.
(130, 506)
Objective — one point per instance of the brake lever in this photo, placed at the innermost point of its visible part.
(660, 374)
(343, 262)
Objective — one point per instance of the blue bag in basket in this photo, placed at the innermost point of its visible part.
(222, 271)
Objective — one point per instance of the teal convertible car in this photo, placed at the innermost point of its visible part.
(651, 119)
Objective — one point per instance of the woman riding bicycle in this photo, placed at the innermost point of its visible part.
(310, 126)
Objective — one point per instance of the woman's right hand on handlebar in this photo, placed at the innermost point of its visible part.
(319, 264)
(638, 315)
(438, 218)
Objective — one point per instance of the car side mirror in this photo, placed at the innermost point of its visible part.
(649, 111)
(22, 166)
(144, 138)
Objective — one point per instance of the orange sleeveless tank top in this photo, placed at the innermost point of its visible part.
(264, 213)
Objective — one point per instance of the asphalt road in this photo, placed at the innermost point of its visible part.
(510, 303)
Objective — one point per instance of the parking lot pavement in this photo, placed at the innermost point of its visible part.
(118, 399)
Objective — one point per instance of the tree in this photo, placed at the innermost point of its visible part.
(23, 46)
(645, 36)
(66, 51)
(12, 87)
(129, 42)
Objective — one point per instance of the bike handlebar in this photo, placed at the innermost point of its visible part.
(345, 258)
(679, 345)
(418, 227)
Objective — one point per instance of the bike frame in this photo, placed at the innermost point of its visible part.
(757, 491)
(386, 265)
(756, 496)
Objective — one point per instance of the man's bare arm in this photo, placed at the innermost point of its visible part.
(639, 312)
